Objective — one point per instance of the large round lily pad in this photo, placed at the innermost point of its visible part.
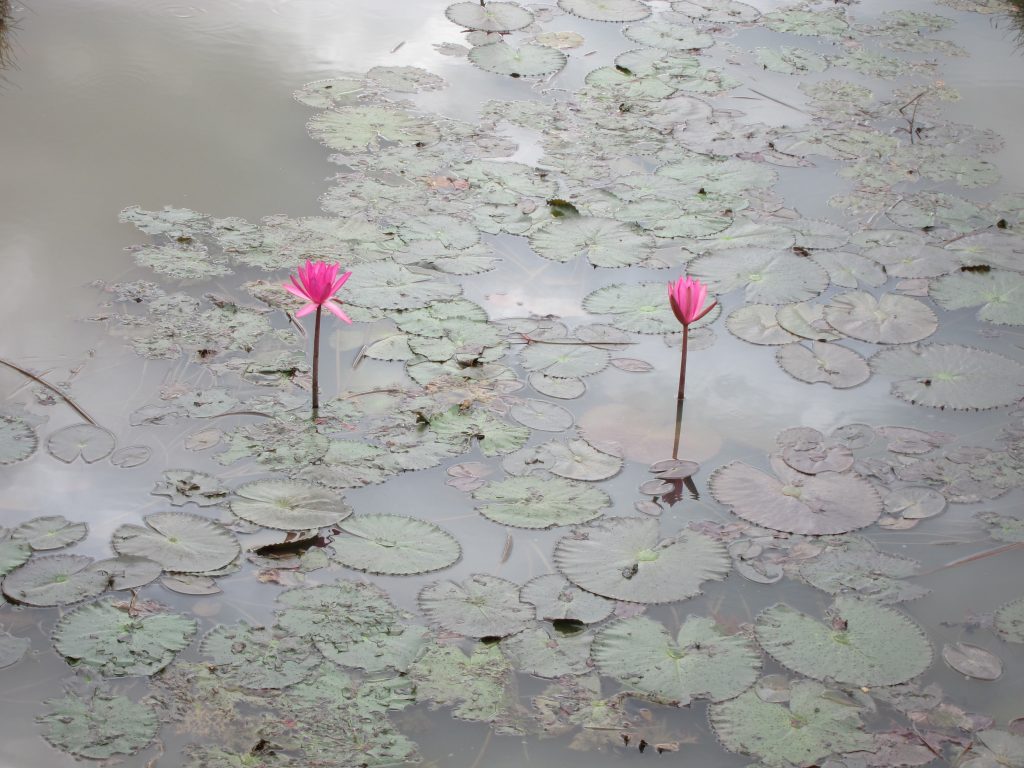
(556, 599)
(51, 532)
(492, 17)
(892, 319)
(564, 361)
(859, 642)
(605, 242)
(98, 726)
(179, 542)
(860, 570)
(951, 376)
(85, 441)
(639, 308)
(529, 60)
(768, 277)
(816, 505)
(535, 502)
(998, 294)
(813, 724)
(479, 606)
(625, 558)
(700, 661)
(394, 545)
(111, 641)
(288, 505)
(13, 554)
(832, 364)
(54, 580)
(606, 10)
(260, 657)
(542, 652)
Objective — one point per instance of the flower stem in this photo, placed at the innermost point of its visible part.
(682, 364)
(679, 428)
(316, 363)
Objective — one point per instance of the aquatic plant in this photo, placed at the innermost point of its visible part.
(317, 284)
(687, 296)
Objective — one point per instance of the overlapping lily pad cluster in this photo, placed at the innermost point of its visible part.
(640, 169)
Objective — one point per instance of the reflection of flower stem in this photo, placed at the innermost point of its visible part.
(682, 363)
(679, 427)
(316, 362)
(71, 403)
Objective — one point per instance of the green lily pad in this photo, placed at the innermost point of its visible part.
(18, 440)
(179, 542)
(860, 570)
(997, 294)
(183, 486)
(386, 285)
(52, 532)
(394, 545)
(935, 209)
(101, 636)
(813, 724)
(259, 657)
(717, 11)
(816, 23)
(791, 61)
(700, 661)
(562, 388)
(765, 276)
(605, 242)
(625, 558)
(183, 262)
(566, 361)
(340, 614)
(859, 642)
(1009, 621)
(757, 323)
(528, 60)
(542, 415)
(850, 270)
(13, 554)
(99, 726)
(475, 686)
(534, 502)
(578, 460)
(914, 260)
(556, 599)
(479, 606)
(951, 376)
(668, 36)
(606, 10)
(288, 505)
(128, 572)
(363, 128)
(54, 580)
(492, 17)
(639, 308)
(891, 319)
(544, 653)
(85, 441)
(396, 649)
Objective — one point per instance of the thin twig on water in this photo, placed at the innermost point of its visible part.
(43, 383)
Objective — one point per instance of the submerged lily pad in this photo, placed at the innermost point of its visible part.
(12, 649)
(891, 319)
(529, 60)
(54, 580)
(179, 542)
(860, 642)
(18, 440)
(85, 441)
(99, 726)
(394, 545)
(260, 657)
(625, 558)
(700, 661)
(606, 10)
(112, 641)
(972, 661)
(860, 570)
(541, 652)
(534, 502)
(813, 724)
(183, 486)
(814, 505)
(288, 505)
(1009, 621)
(52, 532)
(479, 606)
(951, 376)
(492, 17)
(556, 599)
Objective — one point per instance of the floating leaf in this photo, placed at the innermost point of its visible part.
(757, 324)
(671, 37)
(606, 10)
(700, 661)
(131, 456)
(639, 308)
(562, 388)
(534, 502)
(99, 726)
(861, 643)
(476, 686)
(54, 532)
(539, 651)
(185, 485)
(12, 649)
(362, 128)
(541, 415)
(814, 505)
(54, 580)
(386, 285)
(493, 17)
(111, 640)
(566, 361)
(605, 242)
(850, 270)
(87, 441)
(13, 554)
(972, 661)
(128, 572)
(528, 60)
(18, 440)
(625, 559)
(914, 259)
(578, 460)
(926, 210)
(717, 11)
(998, 293)
(765, 276)
(288, 505)
(860, 570)
(816, 23)
(892, 319)
(807, 321)
(1009, 621)
(394, 545)
(791, 61)
(179, 542)
(404, 79)
(259, 657)
(951, 376)
(813, 724)
(558, 600)
(479, 606)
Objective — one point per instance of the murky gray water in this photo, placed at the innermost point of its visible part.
(111, 104)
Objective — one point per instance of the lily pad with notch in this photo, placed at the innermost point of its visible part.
(492, 17)
(528, 60)
(54, 580)
(85, 441)
(50, 532)
(98, 726)
(478, 606)
(288, 505)
(180, 542)
(558, 600)
(891, 319)
(394, 545)
(535, 502)
(542, 652)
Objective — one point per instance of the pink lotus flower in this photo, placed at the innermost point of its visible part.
(318, 282)
(687, 297)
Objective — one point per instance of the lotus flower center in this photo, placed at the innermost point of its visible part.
(676, 653)
(59, 578)
(945, 376)
(646, 556)
(755, 277)
(791, 490)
